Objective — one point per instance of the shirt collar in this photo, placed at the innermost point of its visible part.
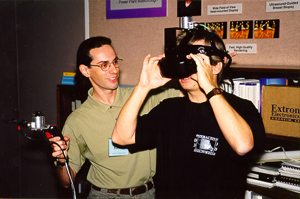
(104, 107)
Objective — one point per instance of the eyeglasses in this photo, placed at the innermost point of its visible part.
(105, 65)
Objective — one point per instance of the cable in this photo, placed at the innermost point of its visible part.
(198, 85)
(276, 148)
(64, 154)
(67, 168)
(70, 177)
(196, 82)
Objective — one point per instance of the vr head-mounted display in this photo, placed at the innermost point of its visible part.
(175, 64)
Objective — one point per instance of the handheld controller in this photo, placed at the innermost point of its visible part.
(38, 124)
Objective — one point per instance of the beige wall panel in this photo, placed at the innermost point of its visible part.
(134, 38)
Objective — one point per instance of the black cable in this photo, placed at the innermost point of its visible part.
(196, 81)
(198, 85)
(67, 168)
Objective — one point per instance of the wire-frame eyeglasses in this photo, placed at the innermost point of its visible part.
(106, 65)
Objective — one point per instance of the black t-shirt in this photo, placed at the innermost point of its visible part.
(193, 158)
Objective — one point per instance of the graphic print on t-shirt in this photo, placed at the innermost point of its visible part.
(205, 144)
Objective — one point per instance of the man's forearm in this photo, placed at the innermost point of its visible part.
(63, 175)
(124, 131)
(235, 129)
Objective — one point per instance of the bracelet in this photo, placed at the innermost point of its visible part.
(213, 92)
(60, 163)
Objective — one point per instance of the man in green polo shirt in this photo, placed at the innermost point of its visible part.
(114, 172)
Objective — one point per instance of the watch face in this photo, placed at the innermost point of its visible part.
(214, 92)
(217, 91)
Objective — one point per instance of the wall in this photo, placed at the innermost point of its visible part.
(39, 40)
(49, 33)
(134, 38)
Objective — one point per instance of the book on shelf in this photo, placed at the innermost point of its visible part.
(68, 78)
(244, 88)
(75, 104)
(251, 89)
(72, 74)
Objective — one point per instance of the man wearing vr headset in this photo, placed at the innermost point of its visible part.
(205, 141)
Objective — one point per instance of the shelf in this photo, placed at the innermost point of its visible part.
(65, 95)
(263, 71)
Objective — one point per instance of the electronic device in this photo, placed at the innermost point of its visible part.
(38, 124)
(176, 64)
(39, 131)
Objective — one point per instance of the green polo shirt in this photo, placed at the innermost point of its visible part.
(90, 127)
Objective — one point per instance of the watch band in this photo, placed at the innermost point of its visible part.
(213, 92)
(60, 163)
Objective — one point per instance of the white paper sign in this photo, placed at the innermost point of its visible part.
(242, 48)
(279, 6)
(224, 9)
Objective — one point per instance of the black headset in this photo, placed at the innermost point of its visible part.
(175, 64)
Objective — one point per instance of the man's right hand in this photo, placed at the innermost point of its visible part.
(64, 144)
(150, 77)
(57, 153)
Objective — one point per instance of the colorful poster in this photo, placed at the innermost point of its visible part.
(266, 29)
(116, 9)
(219, 27)
(241, 29)
(188, 8)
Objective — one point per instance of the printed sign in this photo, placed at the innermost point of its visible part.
(242, 48)
(279, 6)
(224, 9)
(116, 9)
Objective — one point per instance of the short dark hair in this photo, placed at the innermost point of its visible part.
(83, 56)
(83, 52)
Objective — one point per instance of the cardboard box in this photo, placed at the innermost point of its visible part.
(281, 110)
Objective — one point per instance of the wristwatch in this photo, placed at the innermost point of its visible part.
(60, 163)
(213, 92)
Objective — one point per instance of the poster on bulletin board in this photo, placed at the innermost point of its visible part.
(218, 27)
(117, 9)
(264, 29)
(241, 29)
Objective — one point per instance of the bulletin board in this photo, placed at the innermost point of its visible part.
(134, 38)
